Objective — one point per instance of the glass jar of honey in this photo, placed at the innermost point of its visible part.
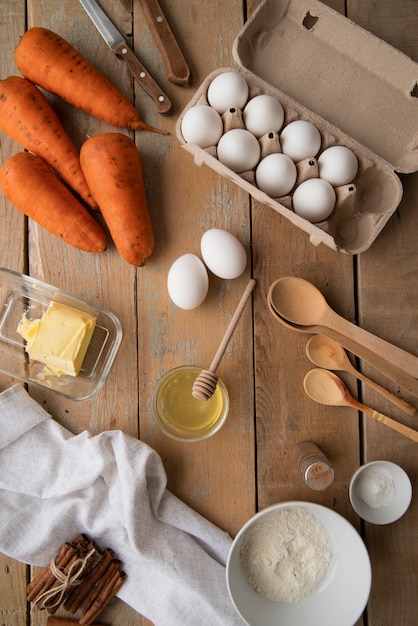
(179, 414)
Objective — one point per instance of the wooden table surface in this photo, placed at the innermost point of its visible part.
(248, 464)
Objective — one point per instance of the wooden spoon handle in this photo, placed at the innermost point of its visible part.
(404, 380)
(405, 361)
(401, 404)
(388, 421)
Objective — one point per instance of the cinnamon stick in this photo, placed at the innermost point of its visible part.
(108, 593)
(63, 621)
(114, 568)
(60, 621)
(80, 593)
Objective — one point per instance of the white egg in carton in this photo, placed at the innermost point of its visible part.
(351, 210)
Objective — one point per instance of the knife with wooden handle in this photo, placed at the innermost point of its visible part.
(178, 71)
(120, 48)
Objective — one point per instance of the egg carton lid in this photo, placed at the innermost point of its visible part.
(338, 70)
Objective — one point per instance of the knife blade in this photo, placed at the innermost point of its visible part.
(178, 71)
(119, 47)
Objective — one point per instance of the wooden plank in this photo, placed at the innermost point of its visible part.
(106, 280)
(284, 414)
(12, 256)
(183, 212)
(388, 306)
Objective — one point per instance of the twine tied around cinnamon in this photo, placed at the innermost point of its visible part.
(53, 597)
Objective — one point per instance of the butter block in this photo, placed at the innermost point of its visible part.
(59, 339)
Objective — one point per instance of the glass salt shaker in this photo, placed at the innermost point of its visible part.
(314, 466)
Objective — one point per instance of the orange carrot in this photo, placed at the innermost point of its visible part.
(112, 167)
(27, 117)
(51, 62)
(29, 183)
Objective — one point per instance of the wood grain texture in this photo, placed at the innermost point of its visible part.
(248, 464)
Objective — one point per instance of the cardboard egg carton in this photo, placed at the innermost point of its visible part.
(356, 89)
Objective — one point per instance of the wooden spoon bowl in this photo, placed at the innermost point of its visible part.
(327, 388)
(328, 354)
(300, 302)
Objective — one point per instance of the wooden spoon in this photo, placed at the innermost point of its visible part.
(327, 353)
(300, 302)
(404, 380)
(327, 388)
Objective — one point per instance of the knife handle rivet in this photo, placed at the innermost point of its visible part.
(160, 19)
(124, 50)
(161, 98)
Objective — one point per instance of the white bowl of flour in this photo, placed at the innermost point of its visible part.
(298, 563)
(380, 492)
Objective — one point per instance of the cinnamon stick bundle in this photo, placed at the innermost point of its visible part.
(86, 557)
(80, 573)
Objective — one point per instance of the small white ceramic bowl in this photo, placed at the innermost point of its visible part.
(341, 595)
(401, 497)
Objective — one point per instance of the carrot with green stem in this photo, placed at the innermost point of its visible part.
(54, 64)
(112, 167)
(30, 184)
(28, 118)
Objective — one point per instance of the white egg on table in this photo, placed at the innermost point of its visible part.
(276, 175)
(188, 281)
(314, 200)
(226, 90)
(338, 165)
(263, 114)
(223, 253)
(300, 140)
(239, 150)
(202, 125)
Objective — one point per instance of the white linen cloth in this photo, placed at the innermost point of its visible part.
(112, 487)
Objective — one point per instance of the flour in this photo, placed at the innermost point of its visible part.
(285, 554)
(375, 487)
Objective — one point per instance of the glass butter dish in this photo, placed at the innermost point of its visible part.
(21, 296)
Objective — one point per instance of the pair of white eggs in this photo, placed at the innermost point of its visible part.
(188, 279)
(261, 114)
(315, 198)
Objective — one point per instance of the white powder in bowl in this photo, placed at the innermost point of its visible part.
(375, 487)
(285, 554)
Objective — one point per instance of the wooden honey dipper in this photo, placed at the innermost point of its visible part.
(205, 384)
